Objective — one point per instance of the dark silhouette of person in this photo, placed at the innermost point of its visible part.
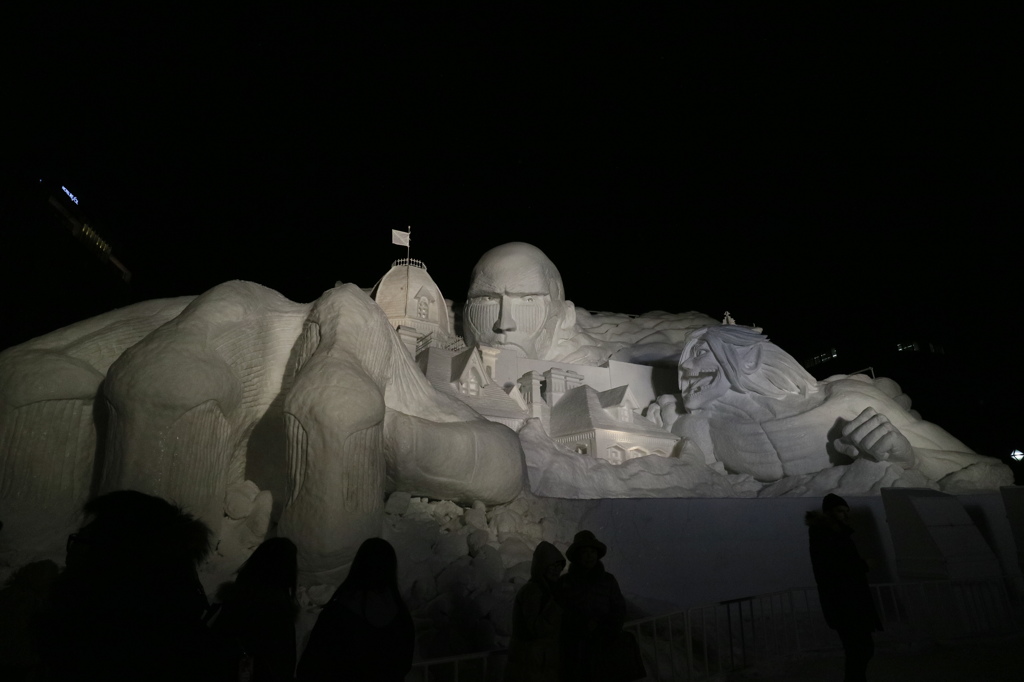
(595, 611)
(129, 604)
(533, 652)
(365, 631)
(253, 623)
(842, 580)
(23, 600)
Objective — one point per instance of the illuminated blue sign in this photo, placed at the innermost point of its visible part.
(73, 197)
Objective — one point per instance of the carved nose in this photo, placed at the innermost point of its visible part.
(505, 323)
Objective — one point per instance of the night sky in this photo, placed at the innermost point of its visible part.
(841, 179)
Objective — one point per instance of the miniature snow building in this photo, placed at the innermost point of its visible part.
(604, 424)
(463, 375)
(414, 306)
(607, 425)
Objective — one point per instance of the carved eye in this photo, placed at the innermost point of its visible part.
(699, 352)
(528, 299)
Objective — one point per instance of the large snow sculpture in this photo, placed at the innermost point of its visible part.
(246, 407)
(241, 390)
(751, 408)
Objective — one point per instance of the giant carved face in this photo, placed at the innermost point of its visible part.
(515, 301)
(701, 379)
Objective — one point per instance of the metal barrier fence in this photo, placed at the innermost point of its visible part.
(485, 666)
(708, 641)
(705, 642)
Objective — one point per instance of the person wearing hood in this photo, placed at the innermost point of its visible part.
(842, 580)
(255, 617)
(365, 632)
(533, 653)
(595, 611)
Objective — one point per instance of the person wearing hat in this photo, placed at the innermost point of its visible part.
(594, 612)
(841, 574)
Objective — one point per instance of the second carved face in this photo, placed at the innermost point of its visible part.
(701, 380)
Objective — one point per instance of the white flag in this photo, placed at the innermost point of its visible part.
(400, 238)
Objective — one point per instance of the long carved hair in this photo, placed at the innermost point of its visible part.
(753, 364)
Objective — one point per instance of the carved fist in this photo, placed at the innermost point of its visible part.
(872, 434)
(668, 410)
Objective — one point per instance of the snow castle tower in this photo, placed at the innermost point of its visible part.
(414, 305)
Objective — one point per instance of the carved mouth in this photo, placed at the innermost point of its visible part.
(695, 383)
(520, 351)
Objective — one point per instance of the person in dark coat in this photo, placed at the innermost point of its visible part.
(365, 632)
(533, 652)
(254, 623)
(23, 600)
(595, 611)
(843, 588)
(129, 604)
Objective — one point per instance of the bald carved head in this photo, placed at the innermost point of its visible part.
(516, 301)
